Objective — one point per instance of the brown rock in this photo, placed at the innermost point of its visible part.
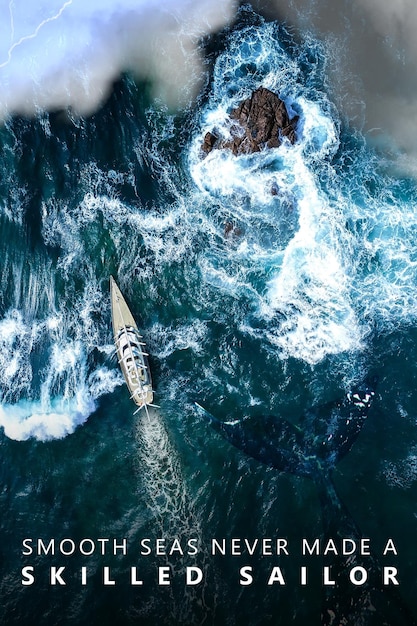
(260, 122)
(209, 141)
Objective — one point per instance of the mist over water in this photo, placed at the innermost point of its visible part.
(68, 54)
(372, 54)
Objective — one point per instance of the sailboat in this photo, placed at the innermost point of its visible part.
(133, 359)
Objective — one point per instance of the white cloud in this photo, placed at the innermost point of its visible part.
(62, 54)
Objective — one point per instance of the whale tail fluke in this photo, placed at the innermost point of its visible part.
(328, 433)
(370, 604)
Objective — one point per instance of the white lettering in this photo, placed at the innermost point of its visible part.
(192, 545)
(42, 549)
(358, 580)
(303, 575)
(348, 547)
(103, 543)
(390, 576)
(326, 576)
(71, 549)
(176, 547)
(145, 547)
(87, 551)
(106, 577)
(245, 575)
(120, 546)
(194, 575)
(390, 547)
(27, 547)
(282, 545)
(163, 575)
(365, 548)
(27, 576)
(133, 577)
(330, 547)
(276, 576)
(217, 547)
(313, 549)
(56, 576)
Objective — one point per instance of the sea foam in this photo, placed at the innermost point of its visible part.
(306, 282)
(216, 265)
(339, 260)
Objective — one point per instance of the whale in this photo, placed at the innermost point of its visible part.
(311, 448)
(317, 442)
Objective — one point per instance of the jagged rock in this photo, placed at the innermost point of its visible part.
(209, 141)
(259, 122)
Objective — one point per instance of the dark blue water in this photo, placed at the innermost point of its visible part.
(315, 291)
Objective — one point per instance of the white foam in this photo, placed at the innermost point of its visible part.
(295, 260)
(174, 513)
(188, 336)
(26, 419)
(308, 285)
(311, 291)
(64, 397)
(47, 385)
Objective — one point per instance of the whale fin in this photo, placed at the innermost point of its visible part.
(267, 438)
(214, 420)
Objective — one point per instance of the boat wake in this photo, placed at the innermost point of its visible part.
(163, 477)
(174, 516)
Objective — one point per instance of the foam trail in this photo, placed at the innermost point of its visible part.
(164, 480)
(169, 500)
(68, 54)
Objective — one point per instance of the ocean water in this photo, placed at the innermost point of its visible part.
(313, 290)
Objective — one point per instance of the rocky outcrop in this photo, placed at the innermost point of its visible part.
(260, 121)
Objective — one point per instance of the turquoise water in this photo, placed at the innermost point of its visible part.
(315, 290)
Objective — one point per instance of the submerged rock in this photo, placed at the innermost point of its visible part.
(260, 121)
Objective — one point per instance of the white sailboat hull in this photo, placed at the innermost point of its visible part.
(133, 359)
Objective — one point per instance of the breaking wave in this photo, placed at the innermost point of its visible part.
(48, 386)
(327, 237)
